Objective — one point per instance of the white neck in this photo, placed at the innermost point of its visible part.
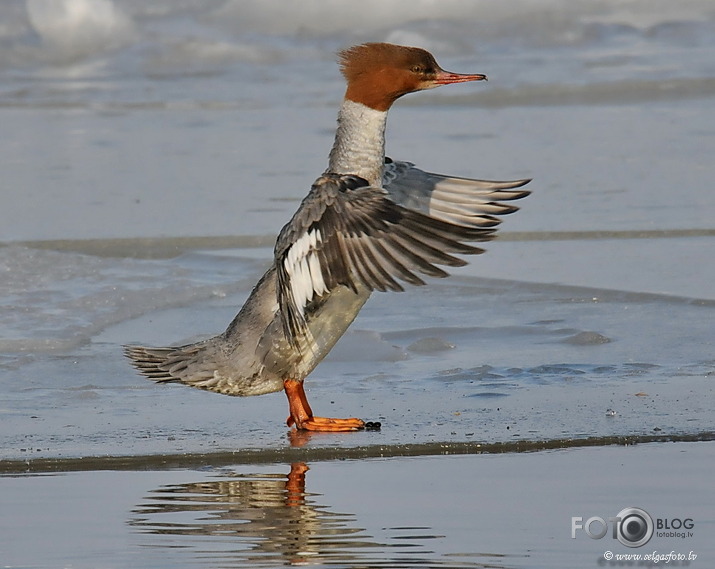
(359, 146)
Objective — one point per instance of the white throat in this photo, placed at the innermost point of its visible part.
(359, 146)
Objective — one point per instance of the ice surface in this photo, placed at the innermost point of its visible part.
(74, 297)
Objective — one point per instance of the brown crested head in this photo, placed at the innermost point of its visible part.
(379, 73)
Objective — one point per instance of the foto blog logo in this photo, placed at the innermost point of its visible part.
(633, 527)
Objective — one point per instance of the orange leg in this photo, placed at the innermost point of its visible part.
(302, 417)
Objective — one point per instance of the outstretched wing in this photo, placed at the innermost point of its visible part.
(348, 233)
(463, 201)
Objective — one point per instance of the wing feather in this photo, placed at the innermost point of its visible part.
(463, 201)
(349, 233)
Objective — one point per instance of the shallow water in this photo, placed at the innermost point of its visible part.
(506, 510)
(152, 151)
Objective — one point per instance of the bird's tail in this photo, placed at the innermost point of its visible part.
(202, 365)
(162, 365)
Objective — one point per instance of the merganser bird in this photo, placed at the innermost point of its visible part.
(366, 223)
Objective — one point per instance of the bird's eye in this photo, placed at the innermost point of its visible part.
(417, 69)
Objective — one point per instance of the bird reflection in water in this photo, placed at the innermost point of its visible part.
(269, 520)
(265, 515)
(269, 517)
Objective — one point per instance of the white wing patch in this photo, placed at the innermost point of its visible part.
(302, 266)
